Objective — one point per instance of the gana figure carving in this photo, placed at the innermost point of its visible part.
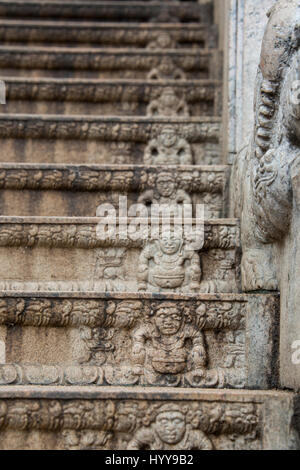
(166, 193)
(170, 429)
(168, 149)
(169, 265)
(161, 344)
(267, 179)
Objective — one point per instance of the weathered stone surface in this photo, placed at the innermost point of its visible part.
(77, 190)
(119, 97)
(112, 140)
(109, 63)
(122, 418)
(150, 35)
(270, 181)
(205, 341)
(109, 11)
(114, 263)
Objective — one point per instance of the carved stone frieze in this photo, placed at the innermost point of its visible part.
(119, 35)
(136, 339)
(120, 419)
(134, 96)
(111, 12)
(106, 178)
(104, 60)
(106, 129)
(216, 256)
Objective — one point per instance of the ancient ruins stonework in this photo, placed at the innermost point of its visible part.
(114, 336)
(270, 182)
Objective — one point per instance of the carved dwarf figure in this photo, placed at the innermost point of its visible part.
(161, 344)
(166, 70)
(169, 429)
(168, 149)
(168, 104)
(167, 264)
(165, 193)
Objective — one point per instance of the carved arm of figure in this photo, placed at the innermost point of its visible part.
(138, 353)
(198, 353)
(146, 198)
(143, 440)
(201, 441)
(150, 152)
(193, 272)
(143, 272)
(182, 197)
(184, 152)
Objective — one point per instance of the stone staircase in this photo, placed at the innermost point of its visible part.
(105, 340)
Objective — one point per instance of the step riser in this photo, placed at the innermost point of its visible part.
(123, 420)
(78, 191)
(95, 341)
(37, 139)
(37, 97)
(111, 36)
(105, 63)
(108, 11)
(33, 257)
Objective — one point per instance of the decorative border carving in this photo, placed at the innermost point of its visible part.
(106, 129)
(120, 178)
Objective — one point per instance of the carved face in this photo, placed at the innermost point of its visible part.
(168, 320)
(170, 426)
(165, 187)
(168, 98)
(169, 244)
(168, 138)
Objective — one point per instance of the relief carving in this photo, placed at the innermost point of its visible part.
(168, 264)
(166, 193)
(169, 429)
(135, 424)
(267, 197)
(168, 149)
(161, 344)
(168, 104)
(166, 70)
(163, 40)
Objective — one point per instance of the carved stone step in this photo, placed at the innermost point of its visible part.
(82, 254)
(91, 139)
(108, 11)
(145, 35)
(109, 63)
(203, 341)
(112, 97)
(126, 418)
(77, 190)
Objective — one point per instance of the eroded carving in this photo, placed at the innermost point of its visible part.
(169, 264)
(166, 193)
(168, 429)
(168, 149)
(168, 104)
(166, 70)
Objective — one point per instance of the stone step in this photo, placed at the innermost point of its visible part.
(142, 35)
(68, 62)
(85, 254)
(108, 11)
(215, 341)
(111, 140)
(121, 418)
(77, 190)
(112, 97)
